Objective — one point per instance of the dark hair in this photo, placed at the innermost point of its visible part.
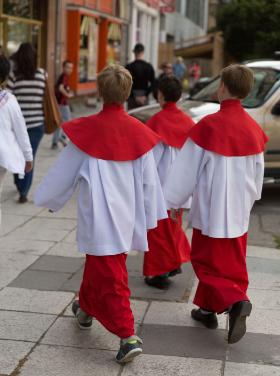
(5, 68)
(66, 62)
(139, 48)
(25, 61)
(238, 79)
(171, 88)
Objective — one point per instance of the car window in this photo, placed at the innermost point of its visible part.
(265, 83)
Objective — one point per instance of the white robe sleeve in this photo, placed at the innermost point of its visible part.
(259, 175)
(155, 207)
(19, 129)
(183, 176)
(61, 181)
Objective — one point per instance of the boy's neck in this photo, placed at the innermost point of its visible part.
(228, 97)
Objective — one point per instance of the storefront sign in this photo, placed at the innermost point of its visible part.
(167, 6)
(153, 3)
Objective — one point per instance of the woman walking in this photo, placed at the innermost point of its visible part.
(27, 83)
(15, 149)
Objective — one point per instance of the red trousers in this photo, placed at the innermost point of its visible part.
(104, 293)
(220, 266)
(168, 247)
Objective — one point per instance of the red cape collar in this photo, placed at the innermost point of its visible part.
(230, 132)
(171, 124)
(111, 135)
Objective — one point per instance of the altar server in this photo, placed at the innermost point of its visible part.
(222, 166)
(110, 158)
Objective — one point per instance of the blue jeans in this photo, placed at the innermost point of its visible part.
(65, 116)
(35, 136)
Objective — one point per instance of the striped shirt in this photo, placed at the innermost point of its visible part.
(30, 96)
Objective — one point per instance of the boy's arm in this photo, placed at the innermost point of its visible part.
(155, 207)
(59, 184)
(184, 173)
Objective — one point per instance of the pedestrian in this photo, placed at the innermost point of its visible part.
(222, 166)
(143, 76)
(27, 83)
(168, 245)
(194, 74)
(110, 157)
(179, 68)
(15, 149)
(63, 94)
(166, 71)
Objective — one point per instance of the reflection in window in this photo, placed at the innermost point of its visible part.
(88, 49)
(22, 8)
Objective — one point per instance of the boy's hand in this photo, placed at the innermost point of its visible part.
(174, 214)
(28, 166)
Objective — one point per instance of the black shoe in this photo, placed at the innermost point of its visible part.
(54, 146)
(84, 321)
(237, 320)
(210, 320)
(175, 272)
(129, 349)
(158, 282)
(22, 199)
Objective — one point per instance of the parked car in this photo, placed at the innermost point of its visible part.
(263, 104)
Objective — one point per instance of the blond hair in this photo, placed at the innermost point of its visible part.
(114, 84)
(238, 79)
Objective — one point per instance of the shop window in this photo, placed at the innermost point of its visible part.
(22, 8)
(122, 9)
(88, 49)
(114, 44)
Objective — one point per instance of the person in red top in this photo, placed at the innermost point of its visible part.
(63, 93)
(168, 245)
(222, 167)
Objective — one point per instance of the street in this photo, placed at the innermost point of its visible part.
(40, 273)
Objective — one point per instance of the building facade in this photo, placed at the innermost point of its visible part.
(144, 28)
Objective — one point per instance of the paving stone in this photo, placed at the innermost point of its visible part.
(65, 332)
(179, 290)
(19, 299)
(69, 211)
(184, 341)
(65, 250)
(264, 281)
(45, 229)
(233, 369)
(63, 361)
(256, 348)
(264, 252)
(25, 247)
(265, 299)
(263, 265)
(177, 314)
(11, 352)
(271, 222)
(74, 282)
(23, 326)
(152, 365)
(71, 237)
(12, 264)
(14, 208)
(10, 222)
(40, 280)
(58, 264)
(264, 321)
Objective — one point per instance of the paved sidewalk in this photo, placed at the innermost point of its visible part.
(40, 272)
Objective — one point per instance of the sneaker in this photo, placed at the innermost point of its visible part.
(54, 146)
(158, 282)
(84, 321)
(175, 272)
(129, 349)
(237, 320)
(22, 199)
(209, 320)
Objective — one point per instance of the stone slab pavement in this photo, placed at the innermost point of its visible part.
(40, 273)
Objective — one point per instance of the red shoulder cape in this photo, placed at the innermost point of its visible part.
(111, 135)
(230, 132)
(171, 124)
